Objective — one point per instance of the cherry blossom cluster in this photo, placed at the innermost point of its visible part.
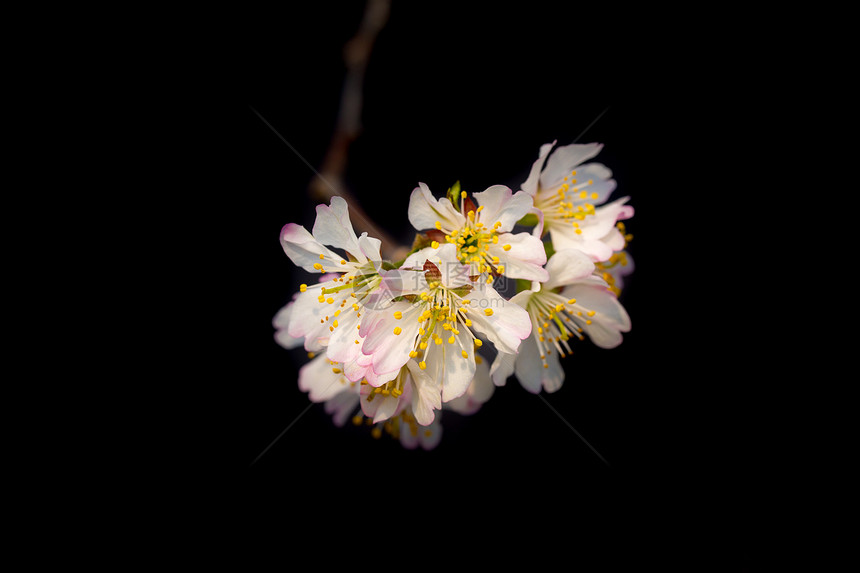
(393, 343)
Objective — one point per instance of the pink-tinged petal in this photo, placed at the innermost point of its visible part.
(604, 219)
(563, 161)
(499, 205)
(566, 267)
(530, 185)
(355, 371)
(427, 437)
(390, 351)
(333, 227)
(320, 381)
(525, 257)
(505, 325)
(425, 210)
(304, 250)
(281, 322)
(426, 396)
(377, 380)
(341, 407)
(311, 319)
(344, 344)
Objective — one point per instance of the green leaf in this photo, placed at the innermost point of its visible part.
(523, 284)
(550, 251)
(529, 220)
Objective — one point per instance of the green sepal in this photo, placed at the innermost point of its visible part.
(453, 193)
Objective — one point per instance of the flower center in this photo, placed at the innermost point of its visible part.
(568, 205)
(555, 320)
(474, 239)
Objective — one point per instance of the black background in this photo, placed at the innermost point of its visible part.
(452, 94)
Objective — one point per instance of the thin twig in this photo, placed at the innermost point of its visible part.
(329, 181)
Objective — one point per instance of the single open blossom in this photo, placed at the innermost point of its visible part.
(481, 233)
(326, 315)
(430, 324)
(574, 302)
(571, 196)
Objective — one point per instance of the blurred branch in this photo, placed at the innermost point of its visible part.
(329, 181)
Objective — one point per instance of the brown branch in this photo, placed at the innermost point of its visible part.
(329, 182)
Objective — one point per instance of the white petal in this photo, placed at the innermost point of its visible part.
(427, 394)
(308, 312)
(318, 378)
(281, 322)
(500, 206)
(304, 250)
(370, 247)
(479, 391)
(529, 366)
(564, 160)
(379, 407)
(508, 323)
(502, 368)
(567, 266)
(604, 219)
(341, 343)
(341, 407)
(445, 362)
(602, 184)
(333, 227)
(530, 185)
(525, 258)
(565, 237)
(425, 210)
(610, 318)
